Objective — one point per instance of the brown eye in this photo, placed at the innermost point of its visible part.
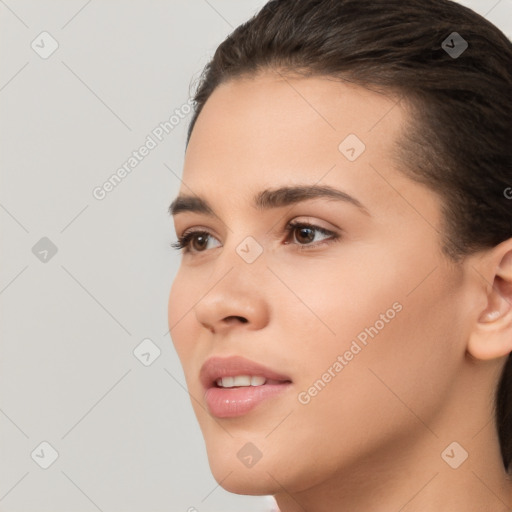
(305, 234)
(193, 241)
(199, 241)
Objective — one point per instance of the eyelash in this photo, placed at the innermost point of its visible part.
(183, 242)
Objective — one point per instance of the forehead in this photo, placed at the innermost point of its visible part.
(271, 121)
(273, 130)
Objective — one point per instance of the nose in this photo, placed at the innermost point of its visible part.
(237, 298)
(216, 327)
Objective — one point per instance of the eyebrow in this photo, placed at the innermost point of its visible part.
(270, 198)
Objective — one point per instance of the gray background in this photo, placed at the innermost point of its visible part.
(123, 426)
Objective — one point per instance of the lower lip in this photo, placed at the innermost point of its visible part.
(232, 402)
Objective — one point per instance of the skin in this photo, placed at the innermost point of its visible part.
(371, 440)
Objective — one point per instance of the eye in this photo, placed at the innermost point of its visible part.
(188, 238)
(305, 231)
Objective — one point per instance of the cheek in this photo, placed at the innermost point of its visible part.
(425, 348)
(399, 352)
(327, 305)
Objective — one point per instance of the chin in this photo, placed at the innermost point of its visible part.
(253, 482)
(233, 475)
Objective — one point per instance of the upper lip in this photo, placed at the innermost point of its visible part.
(217, 367)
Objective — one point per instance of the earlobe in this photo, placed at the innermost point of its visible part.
(491, 337)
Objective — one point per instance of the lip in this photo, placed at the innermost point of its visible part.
(218, 367)
(236, 401)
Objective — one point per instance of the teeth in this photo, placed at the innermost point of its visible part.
(258, 381)
(241, 380)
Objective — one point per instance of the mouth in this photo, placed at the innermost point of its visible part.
(246, 381)
(236, 385)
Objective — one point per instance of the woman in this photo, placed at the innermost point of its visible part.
(343, 307)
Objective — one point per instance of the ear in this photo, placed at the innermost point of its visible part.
(491, 337)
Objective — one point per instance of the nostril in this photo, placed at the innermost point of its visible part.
(241, 318)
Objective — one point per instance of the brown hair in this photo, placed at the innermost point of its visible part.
(459, 135)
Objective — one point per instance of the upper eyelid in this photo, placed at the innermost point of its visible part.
(312, 224)
(298, 219)
(288, 228)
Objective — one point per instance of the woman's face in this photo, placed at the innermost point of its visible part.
(366, 320)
